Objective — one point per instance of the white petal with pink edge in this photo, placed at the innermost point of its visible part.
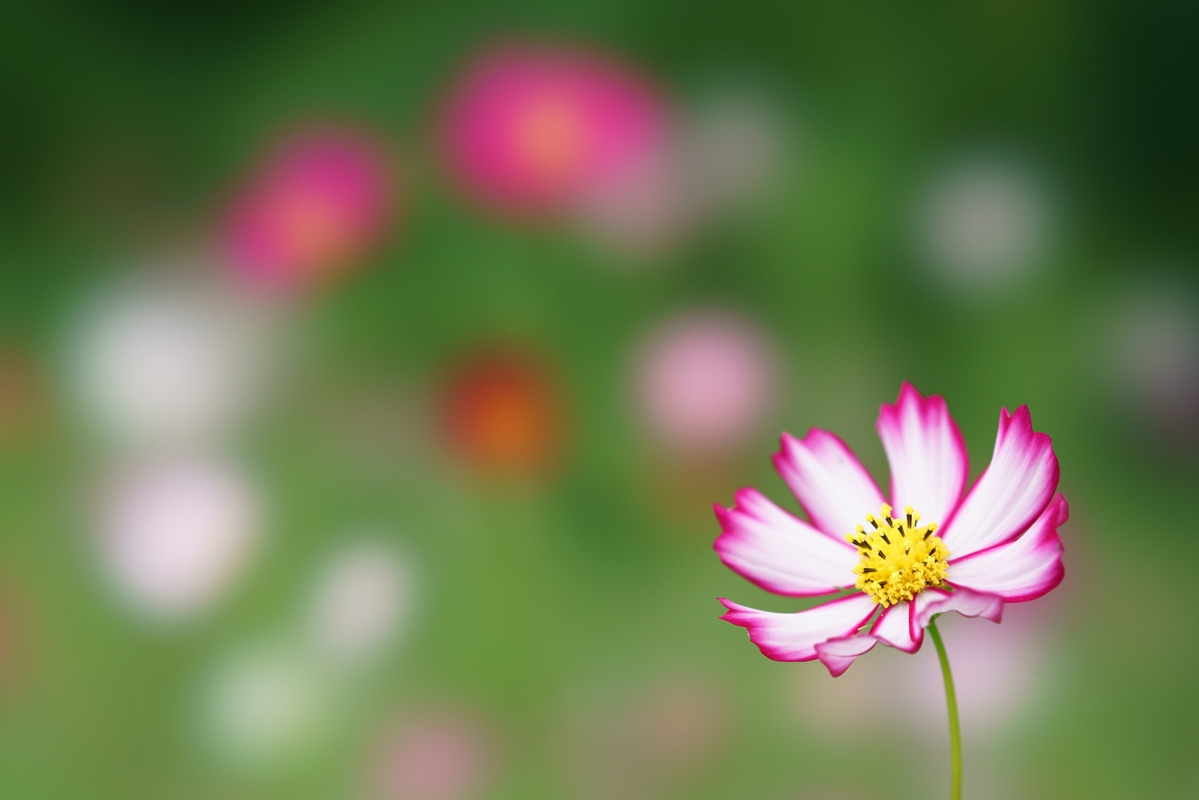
(893, 628)
(1010, 494)
(967, 603)
(779, 552)
(793, 637)
(1021, 570)
(830, 483)
(926, 453)
(838, 654)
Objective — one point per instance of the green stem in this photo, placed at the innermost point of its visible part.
(955, 730)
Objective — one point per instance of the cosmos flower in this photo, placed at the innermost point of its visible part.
(263, 705)
(320, 201)
(175, 532)
(704, 381)
(944, 550)
(170, 359)
(528, 127)
(361, 601)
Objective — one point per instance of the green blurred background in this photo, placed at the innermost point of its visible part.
(560, 635)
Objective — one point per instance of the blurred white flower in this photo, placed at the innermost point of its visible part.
(362, 601)
(985, 223)
(166, 361)
(733, 149)
(261, 705)
(175, 532)
(1151, 357)
(705, 381)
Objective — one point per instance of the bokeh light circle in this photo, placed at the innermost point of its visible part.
(502, 411)
(434, 753)
(167, 361)
(985, 223)
(262, 705)
(362, 601)
(705, 381)
(175, 532)
(321, 199)
(1149, 357)
(529, 126)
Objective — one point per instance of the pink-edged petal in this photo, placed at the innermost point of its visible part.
(830, 483)
(926, 453)
(1021, 570)
(780, 552)
(893, 628)
(1012, 492)
(963, 601)
(838, 654)
(793, 637)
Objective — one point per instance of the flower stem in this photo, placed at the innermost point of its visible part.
(955, 729)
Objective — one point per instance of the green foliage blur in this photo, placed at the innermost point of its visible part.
(548, 605)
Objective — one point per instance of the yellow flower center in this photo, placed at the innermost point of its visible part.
(900, 557)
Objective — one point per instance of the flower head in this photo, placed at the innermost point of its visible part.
(529, 127)
(946, 550)
(502, 411)
(320, 201)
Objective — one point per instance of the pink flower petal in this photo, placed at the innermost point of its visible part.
(831, 484)
(838, 654)
(1021, 570)
(793, 637)
(967, 603)
(893, 628)
(779, 552)
(1011, 493)
(926, 453)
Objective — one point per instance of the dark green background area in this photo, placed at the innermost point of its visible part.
(123, 122)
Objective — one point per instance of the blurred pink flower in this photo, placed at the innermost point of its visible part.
(528, 127)
(175, 532)
(705, 381)
(321, 200)
(437, 754)
(972, 554)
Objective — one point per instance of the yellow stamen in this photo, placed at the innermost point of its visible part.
(900, 557)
